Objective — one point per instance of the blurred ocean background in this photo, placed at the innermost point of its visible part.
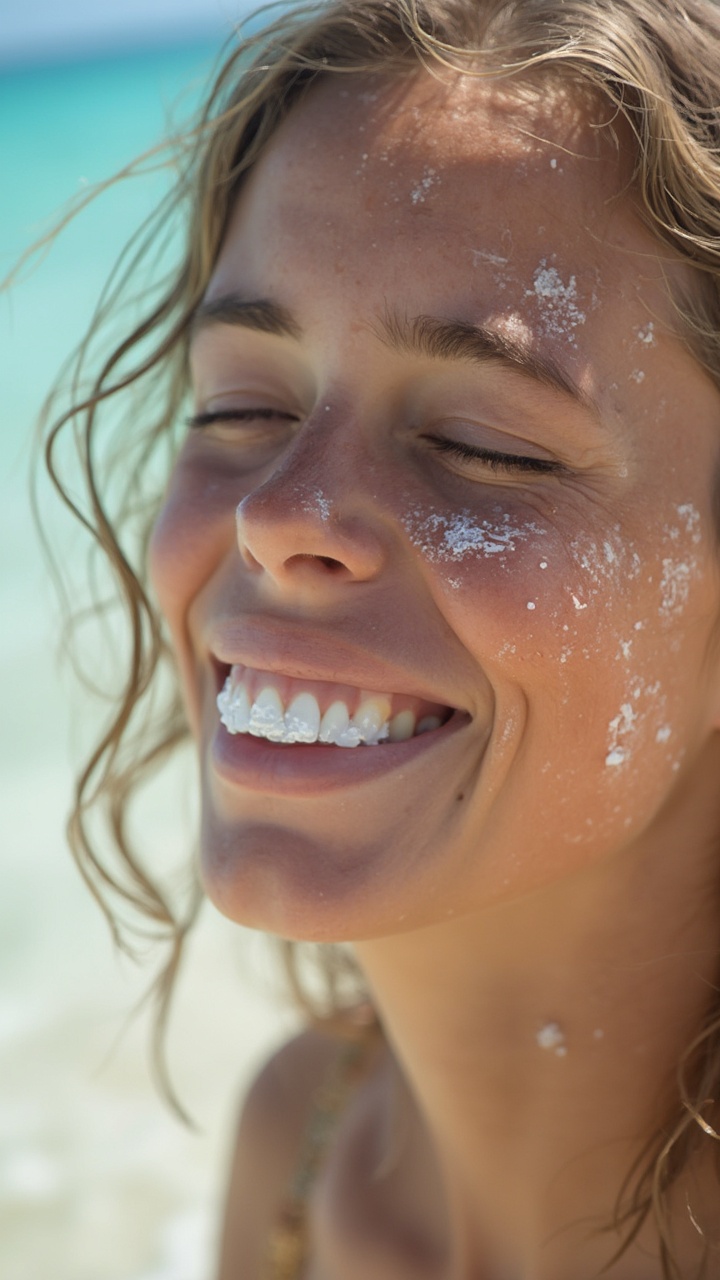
(98, 1180)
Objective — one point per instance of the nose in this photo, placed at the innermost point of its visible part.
(312, 523)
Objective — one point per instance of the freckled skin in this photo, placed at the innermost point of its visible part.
(447, 204)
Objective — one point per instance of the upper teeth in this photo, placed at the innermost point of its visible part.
(265, 716)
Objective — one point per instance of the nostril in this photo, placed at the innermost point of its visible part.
(327, 561)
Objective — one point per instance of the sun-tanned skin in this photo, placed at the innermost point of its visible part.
(550, 856)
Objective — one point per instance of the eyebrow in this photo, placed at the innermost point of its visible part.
(479, 344)
(255, 313)
(429, 336)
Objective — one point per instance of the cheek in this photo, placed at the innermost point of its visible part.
(583, 630)
(191, 535)
(516, 585)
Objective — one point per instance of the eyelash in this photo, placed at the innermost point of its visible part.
(495, 460)
(200, 420)
(490, 458)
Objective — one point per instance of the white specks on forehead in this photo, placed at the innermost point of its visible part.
(557, 302)
(514, 327)
(453, 537)
(483, 255)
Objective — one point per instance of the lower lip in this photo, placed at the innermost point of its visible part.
(313, 769)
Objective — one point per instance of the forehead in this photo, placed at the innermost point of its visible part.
(495, 204)
(447, 176)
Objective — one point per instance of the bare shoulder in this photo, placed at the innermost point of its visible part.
(269, 1138)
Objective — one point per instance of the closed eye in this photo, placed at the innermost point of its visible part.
(200, 420)
(495, 460)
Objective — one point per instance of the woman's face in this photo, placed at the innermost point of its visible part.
(449, 451)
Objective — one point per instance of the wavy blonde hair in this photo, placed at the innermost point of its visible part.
(656, 65)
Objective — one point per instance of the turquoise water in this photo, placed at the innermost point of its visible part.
(62, 129)
(97, 1182)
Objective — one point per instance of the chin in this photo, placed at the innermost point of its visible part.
(266, 876)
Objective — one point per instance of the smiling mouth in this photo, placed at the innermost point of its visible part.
(286, 710)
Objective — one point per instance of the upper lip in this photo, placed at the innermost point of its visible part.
(312, 654)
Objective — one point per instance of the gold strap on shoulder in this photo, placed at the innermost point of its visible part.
(288, 1244)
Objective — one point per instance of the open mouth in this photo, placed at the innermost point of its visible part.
(286, 710)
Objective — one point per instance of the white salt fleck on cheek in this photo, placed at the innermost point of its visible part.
(578, 604)
(531, 604)
(428, 180)
(691, 519)
(551, 1037)
(543, 564)
(462, 534)
(557, 302)
(675, 586)
(663, 734)
(647, 335)
(621, 727)
(638, 375)
(553, 163)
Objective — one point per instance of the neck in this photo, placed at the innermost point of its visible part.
(540, 1040)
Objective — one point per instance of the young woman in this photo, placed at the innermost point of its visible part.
(438, 561)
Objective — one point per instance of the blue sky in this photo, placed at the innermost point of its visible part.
(43, 29)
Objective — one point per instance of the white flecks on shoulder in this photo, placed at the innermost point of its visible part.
(531, 604)
(551, 1037)
(663, 734)
(578, 604)
(428, 180)
(646, 335)
(453, 537)
(554, 163)
(638, 375)
(558, 302)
